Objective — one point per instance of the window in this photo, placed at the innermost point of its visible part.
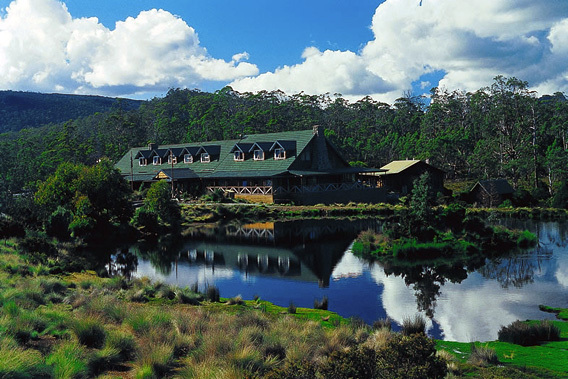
(239, 156)
(172, 160)
(156, 161)
(279, 154)
(258, 155)
(142, 161)
(205, 158)
(188, 158)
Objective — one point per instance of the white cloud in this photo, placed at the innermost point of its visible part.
(470, 41)
(43, 48)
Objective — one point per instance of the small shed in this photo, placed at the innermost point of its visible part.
(399, 176)
(490, 193)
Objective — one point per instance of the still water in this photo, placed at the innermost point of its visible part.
(304, 261)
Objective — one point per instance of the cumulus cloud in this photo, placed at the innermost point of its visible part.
(43, 48)
(470, 42)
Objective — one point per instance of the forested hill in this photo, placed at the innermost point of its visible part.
(19, 110)
(500, 131)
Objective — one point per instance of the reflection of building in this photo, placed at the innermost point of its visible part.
(299, 166)
(303, 250)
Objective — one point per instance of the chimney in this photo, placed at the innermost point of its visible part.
(318, 131)
(152, 146)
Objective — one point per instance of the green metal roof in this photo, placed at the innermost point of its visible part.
(222, 164)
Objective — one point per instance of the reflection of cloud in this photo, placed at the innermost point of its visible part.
(473, 310)
(186, 275)
(398, 299)
(562, 270)
(348, 267)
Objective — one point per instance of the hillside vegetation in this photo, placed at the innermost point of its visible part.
(19, 110)
(499, 131)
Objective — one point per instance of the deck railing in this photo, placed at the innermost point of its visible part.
(269, 190)
(243, 190)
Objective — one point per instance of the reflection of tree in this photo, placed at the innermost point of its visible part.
(427, 279)
(516, 270)
(161, 253)
(124, 264)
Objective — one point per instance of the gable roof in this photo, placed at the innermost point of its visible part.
(496, 186)
(396, 167)
(225, 165)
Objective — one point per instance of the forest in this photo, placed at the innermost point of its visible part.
(501, 131)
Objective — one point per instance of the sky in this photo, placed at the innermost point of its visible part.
(382, 48)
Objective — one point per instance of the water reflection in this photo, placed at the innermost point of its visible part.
(304, 261)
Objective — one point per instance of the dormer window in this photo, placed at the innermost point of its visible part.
(205, 158)
(188, 158)
(239, 156)
(157, 161)
(142, 161)
(258, 155)
(172, 160)
(279, 153)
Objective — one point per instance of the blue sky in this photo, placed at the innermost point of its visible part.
(141, 48)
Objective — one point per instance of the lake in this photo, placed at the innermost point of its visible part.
(307, 260)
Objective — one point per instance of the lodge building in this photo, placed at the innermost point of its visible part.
(302, 167)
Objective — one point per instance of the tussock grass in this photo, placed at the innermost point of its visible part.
(16, 362)
(68, 360)
(89, 332)
(482, 355)
(413, 325)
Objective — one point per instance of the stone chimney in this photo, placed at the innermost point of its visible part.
(318, 131)
(152, 146)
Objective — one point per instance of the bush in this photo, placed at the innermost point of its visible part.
(321, 304)
(57, 224)
(212, 294)
(410, 357)
(529, 334)
(291, 308)
(353, 363)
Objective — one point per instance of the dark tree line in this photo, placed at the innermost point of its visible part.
(503, 130)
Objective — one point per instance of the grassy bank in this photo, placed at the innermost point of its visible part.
(214, 212)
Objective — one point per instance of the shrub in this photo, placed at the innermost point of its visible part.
(291, 308)
(352, 363)
(212, 294)
(416, 325)
(321, 304)
(525, 334)
(57, 224)
(410, 357)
